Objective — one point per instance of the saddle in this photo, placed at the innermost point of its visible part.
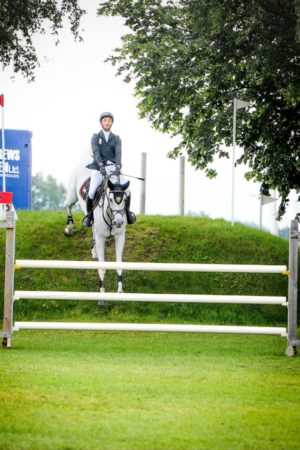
(83, 192)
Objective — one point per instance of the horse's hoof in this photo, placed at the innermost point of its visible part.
(102, 303)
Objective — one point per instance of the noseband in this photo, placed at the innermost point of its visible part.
(110, 212)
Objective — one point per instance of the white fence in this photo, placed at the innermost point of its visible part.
(11, 295)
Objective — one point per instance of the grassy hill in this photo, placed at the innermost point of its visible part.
(40, 235)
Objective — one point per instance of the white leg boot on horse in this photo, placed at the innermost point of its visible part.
(69, 222)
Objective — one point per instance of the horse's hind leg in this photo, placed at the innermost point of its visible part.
(69, 222)
(71, 199)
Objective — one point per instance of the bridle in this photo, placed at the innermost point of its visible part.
(117, 196)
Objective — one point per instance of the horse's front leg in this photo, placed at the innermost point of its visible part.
(93, 245)
(69, 222)
(100, 246)
(119, 247)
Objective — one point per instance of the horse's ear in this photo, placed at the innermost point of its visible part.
(125, 185)
(111, 185)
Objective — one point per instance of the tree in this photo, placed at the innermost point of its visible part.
(47, 193)
(190, 58)
(22, 19)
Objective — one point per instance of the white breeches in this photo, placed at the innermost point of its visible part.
(97, 178)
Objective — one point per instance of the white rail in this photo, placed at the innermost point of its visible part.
(162, 267)
(140, 297)
(148, 327)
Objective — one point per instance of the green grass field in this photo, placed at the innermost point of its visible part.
(87, 390)
(124, 390)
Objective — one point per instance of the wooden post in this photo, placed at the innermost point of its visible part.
(143, 185)
(292, 290)
(181, 185)
(9, 279)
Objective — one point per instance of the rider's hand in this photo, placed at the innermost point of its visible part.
(102, 169)
(118, 169)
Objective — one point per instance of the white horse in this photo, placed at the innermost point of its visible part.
(109, 216)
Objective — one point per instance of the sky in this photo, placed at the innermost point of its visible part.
(62, 107)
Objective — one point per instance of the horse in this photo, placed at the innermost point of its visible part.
(109, 215)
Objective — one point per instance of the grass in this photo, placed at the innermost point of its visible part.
(154, 239)
(87, 390)
(147, 391)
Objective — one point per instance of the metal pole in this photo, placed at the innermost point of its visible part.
(292, 290)
(274, 226)
(9, 279)
(260, 210)
(233, 160)
(181, 184)
(143, 185)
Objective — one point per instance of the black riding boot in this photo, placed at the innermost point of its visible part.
(89, 218)
(129, 214)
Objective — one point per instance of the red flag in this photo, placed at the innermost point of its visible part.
(6, 197)
(2, 100)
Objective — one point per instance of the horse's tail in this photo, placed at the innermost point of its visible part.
(78, 174)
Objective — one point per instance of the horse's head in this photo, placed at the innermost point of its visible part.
(117, 201)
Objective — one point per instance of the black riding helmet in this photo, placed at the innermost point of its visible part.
(106, 114)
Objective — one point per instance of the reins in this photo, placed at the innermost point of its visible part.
(108, 209)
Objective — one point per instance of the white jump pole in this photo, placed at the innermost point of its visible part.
(148, 327)
(140, 297)
(162, 267)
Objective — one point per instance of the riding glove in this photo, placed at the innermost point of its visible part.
(102, 169)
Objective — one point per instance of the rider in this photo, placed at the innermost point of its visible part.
(107, 153)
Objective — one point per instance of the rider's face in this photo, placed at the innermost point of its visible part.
(106, 123)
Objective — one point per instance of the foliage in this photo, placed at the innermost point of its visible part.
(47, 193)
(190, 58)
(22, 19)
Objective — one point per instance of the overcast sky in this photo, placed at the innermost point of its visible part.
(62, 107)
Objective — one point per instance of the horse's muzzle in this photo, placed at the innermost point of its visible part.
(118, 220)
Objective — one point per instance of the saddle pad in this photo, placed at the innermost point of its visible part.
(83, 192)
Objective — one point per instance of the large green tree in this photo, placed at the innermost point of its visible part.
(21, 20)
(47, 193)
(190, 58)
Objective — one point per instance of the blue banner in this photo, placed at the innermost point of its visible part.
(17, 166)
